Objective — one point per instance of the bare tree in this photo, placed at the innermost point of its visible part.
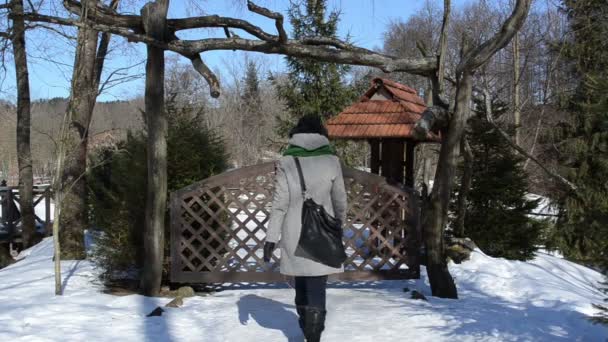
(436, 215)
(24, 153)
(88, 65)
(58, 199)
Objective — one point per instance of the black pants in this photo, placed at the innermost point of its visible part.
(310, 291)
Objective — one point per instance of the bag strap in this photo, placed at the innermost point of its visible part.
(302, 183)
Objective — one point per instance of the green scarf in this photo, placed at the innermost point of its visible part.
(297, 151)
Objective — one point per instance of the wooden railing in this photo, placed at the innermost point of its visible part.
(10, 221)
(218, 227)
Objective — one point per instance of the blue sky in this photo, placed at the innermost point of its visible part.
(51, 56)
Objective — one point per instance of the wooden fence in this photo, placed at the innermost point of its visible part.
(218, 227)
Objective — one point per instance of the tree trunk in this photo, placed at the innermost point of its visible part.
(86, 76)
(516, 102)
(154, 16)
(58, 197)
(24, 160)
(465, 185)
(442, 284)
(56, 244)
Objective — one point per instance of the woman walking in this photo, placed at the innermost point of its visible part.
(322, 175)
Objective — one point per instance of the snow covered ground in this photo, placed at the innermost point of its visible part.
(545, 209)
(543, 300)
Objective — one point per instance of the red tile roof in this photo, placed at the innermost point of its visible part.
(399, 91)
(391, 118)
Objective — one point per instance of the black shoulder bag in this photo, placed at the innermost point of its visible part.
(321, 235)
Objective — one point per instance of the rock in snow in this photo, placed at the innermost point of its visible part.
(418, 295)
(546, 299)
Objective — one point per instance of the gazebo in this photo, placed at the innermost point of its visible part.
(385, 116)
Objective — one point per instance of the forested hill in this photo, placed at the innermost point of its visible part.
(110, 118)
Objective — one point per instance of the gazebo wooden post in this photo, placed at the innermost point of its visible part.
(374, 162)
(410, 145)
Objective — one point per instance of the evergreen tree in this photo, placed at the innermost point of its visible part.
(313, 87)
(251, 94)
(117, 186)
(582, 143)
(252, 118)
(497, 215)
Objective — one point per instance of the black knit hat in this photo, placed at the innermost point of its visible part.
(310, 123)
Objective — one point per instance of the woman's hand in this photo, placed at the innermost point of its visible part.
(268, 248)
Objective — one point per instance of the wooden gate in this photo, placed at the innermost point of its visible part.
(218, 227)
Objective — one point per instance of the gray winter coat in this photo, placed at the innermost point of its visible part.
(324, 183)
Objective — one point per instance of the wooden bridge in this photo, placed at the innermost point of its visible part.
(10, 221)
(218, 228)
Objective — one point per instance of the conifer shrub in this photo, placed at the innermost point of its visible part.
(117, 189)
(497, 209)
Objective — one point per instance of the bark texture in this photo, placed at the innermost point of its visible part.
(465, 185)
(24, 160)
(442, 284)
(73, 219)
(154, 15)
(86, 77)
(516, 102)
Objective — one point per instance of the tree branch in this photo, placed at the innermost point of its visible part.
(208, 75)
(355, 56)
(443, 47)
(479, 55)
(219, 22)
(109, 82)
(102, 50)
(332, 42)
(436, 116)
(278, 18)
(105, 19)
(437, 84)
(105, 15)
(490, 118)
(536, 133)
(50, 28)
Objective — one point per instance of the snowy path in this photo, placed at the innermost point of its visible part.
(543, 300)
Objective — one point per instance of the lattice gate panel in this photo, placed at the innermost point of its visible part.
(218, 227)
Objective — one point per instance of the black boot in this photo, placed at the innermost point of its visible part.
(314, 323)
(301, 310)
